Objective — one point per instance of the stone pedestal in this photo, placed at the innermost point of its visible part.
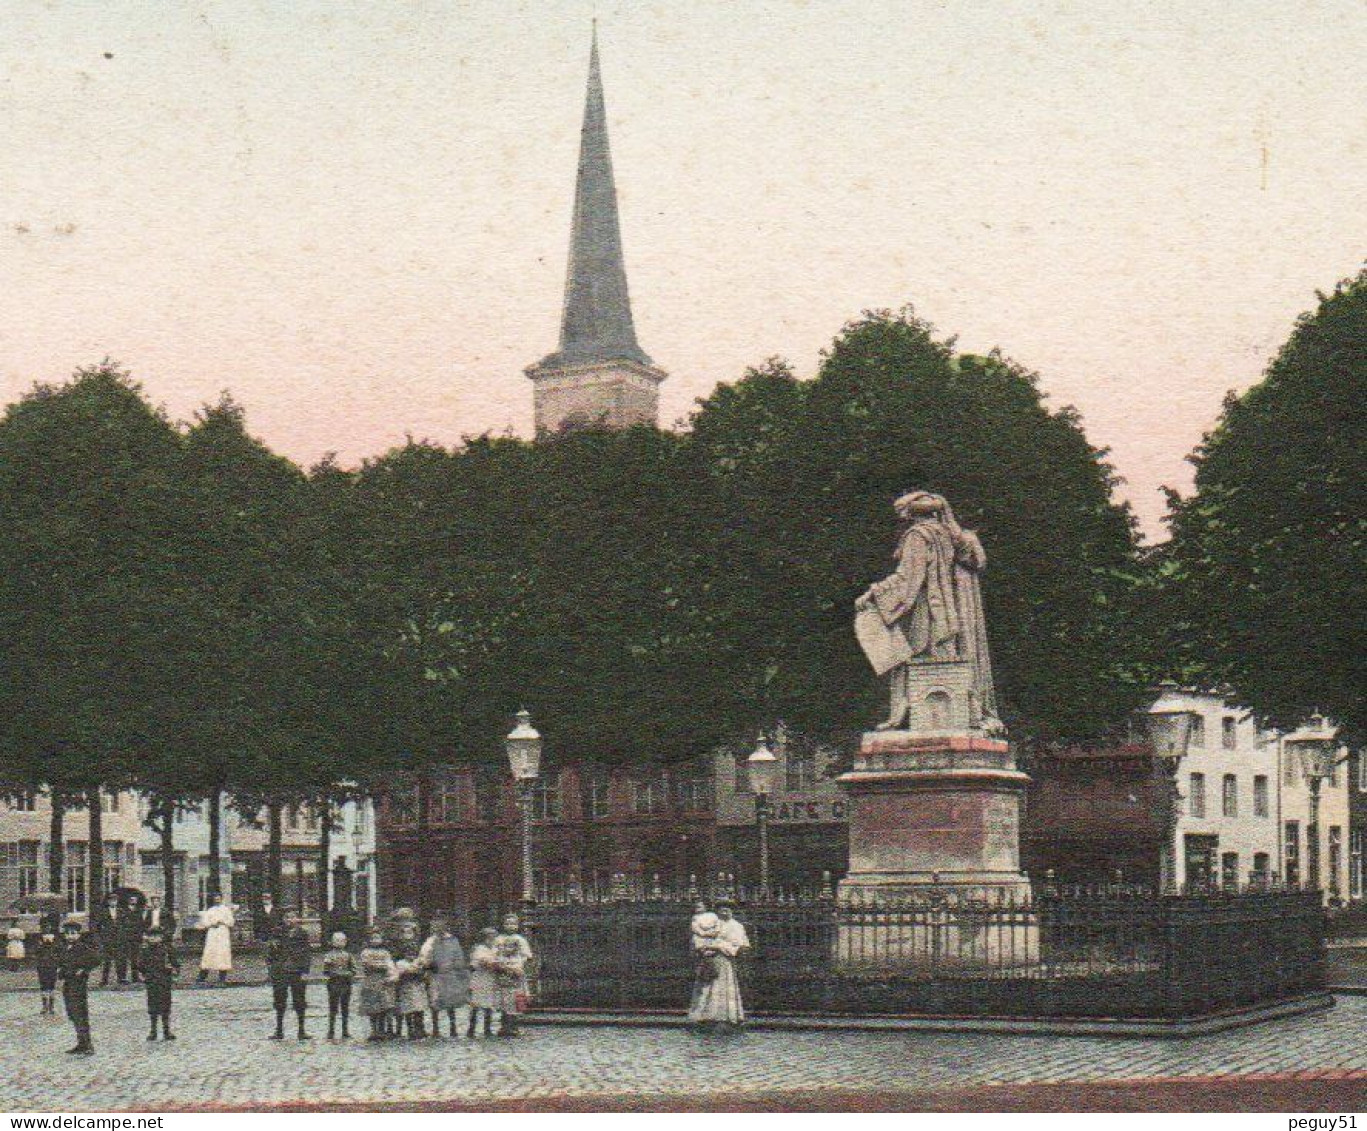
(935, 843)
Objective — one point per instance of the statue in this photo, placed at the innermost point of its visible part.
(929, 610)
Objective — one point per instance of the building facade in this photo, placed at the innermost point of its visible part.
(1245, 813)
(26, 843)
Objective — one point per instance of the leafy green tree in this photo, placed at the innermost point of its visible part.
(809, 470)
(1266, 574)
(88, 592)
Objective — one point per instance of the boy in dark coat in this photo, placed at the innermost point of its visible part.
(159, 966)
(80, 954)
(110, 925)
(46, 955)
(288, 960)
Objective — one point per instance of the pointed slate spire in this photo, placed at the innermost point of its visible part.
(596, 324)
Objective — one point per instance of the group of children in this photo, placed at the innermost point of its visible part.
(401, 987)
(401, 983)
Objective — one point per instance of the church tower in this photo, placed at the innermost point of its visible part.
(599, 376)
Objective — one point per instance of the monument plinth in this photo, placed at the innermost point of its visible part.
(934, 792)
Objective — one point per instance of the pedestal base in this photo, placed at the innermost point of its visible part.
(935, 879)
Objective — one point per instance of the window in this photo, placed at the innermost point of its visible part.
(1229, 732)
(445, 807)
(1229, 871)
(651, 794)
(310, 819)
(694, 790)
(1229, 796)
(1355, 864)
(1334, 772)
(1293, 853)
(25, 803)
(1335, 859)
(1261, 869)
(75, 875)
(26, 866)
(1260, 805)
(800, 768)
(546, 797)
(1197, 797)
(113, 865)
(1198, 732)
(742, 773)
(595, 794)
(488, 797)
(1362, 771)
(403, 805)
(1289, 769)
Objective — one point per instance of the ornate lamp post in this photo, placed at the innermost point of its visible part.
(524, 759)
(761, 768)
(1315, 746)
(1170, 734)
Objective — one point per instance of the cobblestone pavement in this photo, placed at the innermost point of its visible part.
(223, 1059)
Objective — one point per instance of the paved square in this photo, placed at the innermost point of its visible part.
(223, 1058)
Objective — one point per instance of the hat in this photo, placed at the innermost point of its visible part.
(919, 502)
(707, 924)
(71, 925)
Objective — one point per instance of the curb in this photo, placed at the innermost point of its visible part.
(1005, 1026)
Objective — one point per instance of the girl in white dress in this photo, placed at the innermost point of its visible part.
(716, 992)
(217, 956)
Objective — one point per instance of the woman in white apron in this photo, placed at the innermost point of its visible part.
(217, 956)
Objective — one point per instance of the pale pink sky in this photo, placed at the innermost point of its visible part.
(354, 215)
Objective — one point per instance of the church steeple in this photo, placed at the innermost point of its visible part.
(599, 374)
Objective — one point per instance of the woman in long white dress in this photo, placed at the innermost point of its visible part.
(217, 956)
(716, 991)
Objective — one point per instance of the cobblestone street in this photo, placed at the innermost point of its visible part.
(223, 1059)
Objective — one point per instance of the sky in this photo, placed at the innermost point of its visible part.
(355, 215)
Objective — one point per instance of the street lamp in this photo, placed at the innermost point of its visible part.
(524, 759)
(761, 768)
(1315, 746)
(1169, 734)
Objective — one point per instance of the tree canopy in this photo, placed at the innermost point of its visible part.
(1266, 573)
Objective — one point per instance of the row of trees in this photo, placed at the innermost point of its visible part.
(186, 613)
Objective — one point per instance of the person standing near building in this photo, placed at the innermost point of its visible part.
(339, 969)
(716, 992)
(269, 923)
(732, 929)
(288, 961)
(79, 955)
(14, 946)
(483, 987)
(217, 955)
(512, 954)
(159, 966)
(377, 985)
(158, 918)
(448, 976)
(109, 928)
(46, 958)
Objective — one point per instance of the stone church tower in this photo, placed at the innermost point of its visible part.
(599, 376)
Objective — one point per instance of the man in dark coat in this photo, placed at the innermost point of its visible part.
(111, 930)
(159, 967)
(80, 954)
(158, 918)
(269, 922)
(130, 934)
(288, 959)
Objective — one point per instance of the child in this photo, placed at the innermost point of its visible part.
(377, 985)
(288, 961)
(46, 953)
(512, 952)
(483, 991)
(412, 1005)
(157, 963)
(339, 968)
(14, 945)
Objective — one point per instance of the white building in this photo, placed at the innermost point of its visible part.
(26, 841)
(1244, 808)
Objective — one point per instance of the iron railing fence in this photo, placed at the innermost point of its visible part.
(1109, 951)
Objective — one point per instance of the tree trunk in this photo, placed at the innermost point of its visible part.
(95, 850)
(213, 887)
(324, 859)
(168, 860)
(56, 838)
(273, 838)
